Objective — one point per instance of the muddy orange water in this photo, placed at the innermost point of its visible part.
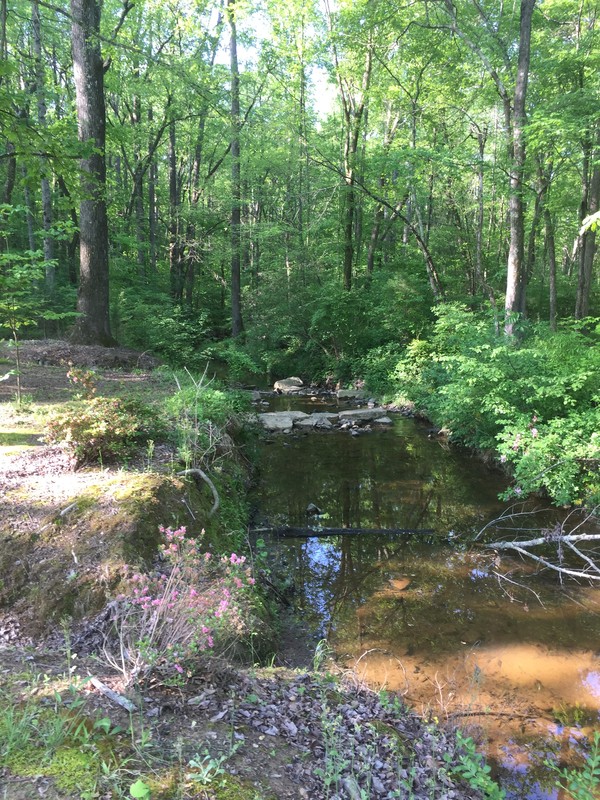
(506, 652)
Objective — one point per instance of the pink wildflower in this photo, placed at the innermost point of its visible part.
(179, 668)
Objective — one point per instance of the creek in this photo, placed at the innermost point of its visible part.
(513, 661)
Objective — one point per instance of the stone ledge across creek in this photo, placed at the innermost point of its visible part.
(281, 421)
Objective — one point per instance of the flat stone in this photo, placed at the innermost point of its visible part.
(351, 394)
(383, 421)
(278, 421)
(319, 420)
(361, 414)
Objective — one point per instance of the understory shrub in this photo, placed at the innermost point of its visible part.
(193, 606)
(202, 412)
(533, 403)
(310, 326)
(102, 428)
(175, 333)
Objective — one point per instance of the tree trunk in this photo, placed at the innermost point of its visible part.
(236, 293)
(48, 243)
(152, 210)
(481, 135)
(551, 252)
(516, 278)
(587, 243)
(93, 326)
(354, 103)
(175, 255)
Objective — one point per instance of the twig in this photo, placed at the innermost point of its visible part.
(505, 515)
(500, 577)
(568, 541)
(390, 655)
(488, 713)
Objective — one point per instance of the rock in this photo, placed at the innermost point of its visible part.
(255, 396)
(278, 421)
(288, 385)
(383, 421)
(351, 394)
(321, 420)
(313, 510)
(361, 414)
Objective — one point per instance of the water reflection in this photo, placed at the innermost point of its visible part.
(427, 616)
(394, 478)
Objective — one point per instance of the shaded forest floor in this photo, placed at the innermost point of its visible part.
(284, 731)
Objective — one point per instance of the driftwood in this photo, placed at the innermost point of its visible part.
(112, 695)
(290, 532)
(556, 543)
(198, 473)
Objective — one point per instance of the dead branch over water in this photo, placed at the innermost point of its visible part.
(555, 548)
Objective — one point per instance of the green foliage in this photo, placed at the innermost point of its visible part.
(240, 364)
(202, 411)
(473, 769)
(319, 329)
(151, 321)
(139, 790)
(584, 783)
(534, 405)
(104, 427)
(56, 735)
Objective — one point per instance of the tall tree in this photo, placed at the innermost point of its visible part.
(236, 183)
(516, 280)
(41, 114)
(93, 324)
(353, 94)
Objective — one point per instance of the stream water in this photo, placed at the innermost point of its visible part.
(515, 661)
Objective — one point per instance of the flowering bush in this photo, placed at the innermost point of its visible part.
(84, 380)
(196, 604)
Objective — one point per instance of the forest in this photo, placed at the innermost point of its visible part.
(401, 194)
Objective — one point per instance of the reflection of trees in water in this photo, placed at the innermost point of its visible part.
(382, 479)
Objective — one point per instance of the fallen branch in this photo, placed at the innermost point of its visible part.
(574, 573)
(198, 473)
(290, 532)
(112, 695)
(487, 713)
(588, 567)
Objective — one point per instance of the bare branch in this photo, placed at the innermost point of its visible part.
(583, 563)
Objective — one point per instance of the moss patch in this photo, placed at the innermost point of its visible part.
(71, 767)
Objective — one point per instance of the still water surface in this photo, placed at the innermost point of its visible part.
(426, 614)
